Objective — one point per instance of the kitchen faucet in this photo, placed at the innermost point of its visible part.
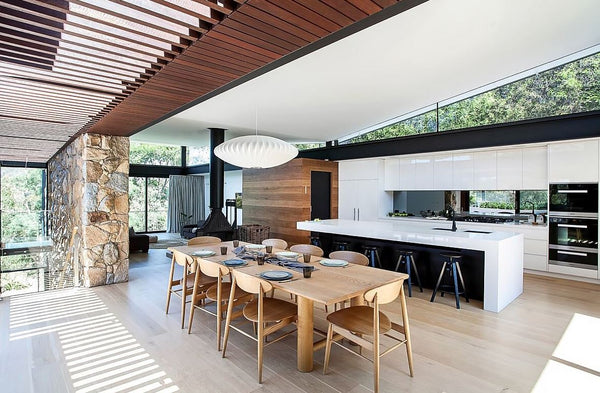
(451, 211)
(532, 209)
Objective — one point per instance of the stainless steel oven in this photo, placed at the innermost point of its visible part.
(573, 242)
(574, 199)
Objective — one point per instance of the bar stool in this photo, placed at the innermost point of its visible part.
(406, 258)
(340, 246)
(315, 241)
(372, 252)
(452, 266)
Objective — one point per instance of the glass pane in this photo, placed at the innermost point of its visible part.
(137, 203)
(149, 154)
(491, 202)
(198, 155)
(158, 194)
(531, 199)
(21, 217)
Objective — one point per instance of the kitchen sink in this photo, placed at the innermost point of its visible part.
(472, 231)
(443, 229)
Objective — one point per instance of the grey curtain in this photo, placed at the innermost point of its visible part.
(186, 198)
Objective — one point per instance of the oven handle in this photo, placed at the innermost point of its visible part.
(572, 226)
(572, 191)
(577, 254)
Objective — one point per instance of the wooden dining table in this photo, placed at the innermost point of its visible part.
(327, 286)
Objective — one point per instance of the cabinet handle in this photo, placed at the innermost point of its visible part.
(358, 213)
(572, 191)
(577, 254)
(354, 218)
(572, 226)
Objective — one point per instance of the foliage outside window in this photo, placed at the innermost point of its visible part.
(308, 146)
(538, 198)
(149, 154)
(153, 217)
(198, 155)
(137, 203)
(570, 88)
(491, 202)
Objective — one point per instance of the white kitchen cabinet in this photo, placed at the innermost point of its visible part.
(509, 169)
(484, 170)
(462, 171)
(407, 174)
(359, 199)
(535, 168)
(535, 262)
(391, 174)
(358, 169)
(573, 162)
(423, 172)
(442, 172)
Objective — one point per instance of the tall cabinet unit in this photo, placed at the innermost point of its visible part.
(361, 190)
(573, 162)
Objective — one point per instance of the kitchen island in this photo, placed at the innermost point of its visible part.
(502, 251)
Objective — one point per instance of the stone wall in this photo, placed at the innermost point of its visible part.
(88, 188)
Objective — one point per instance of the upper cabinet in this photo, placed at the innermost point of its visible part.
(484, 170)
(509, 169)
(442, 172)
(358, 169)
(535, 168)
(462, 171)
(423, 172)
(573, 162)
(391, 174)
(407, 174)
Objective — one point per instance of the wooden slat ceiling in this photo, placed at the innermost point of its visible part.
(114, 66)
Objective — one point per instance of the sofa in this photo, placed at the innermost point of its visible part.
(138, 242)
(189, 231)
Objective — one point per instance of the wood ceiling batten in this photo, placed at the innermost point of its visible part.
(115, 66)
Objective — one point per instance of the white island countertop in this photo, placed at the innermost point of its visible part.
(503, 250)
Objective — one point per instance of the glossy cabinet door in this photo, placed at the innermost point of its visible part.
(484, 170)
(367, 195)
(391, 174)
(407, 174)
(442, 172)
(347, 199)
(535, 168)
(509, 169)
(462, 171)
(358, 169)
(423, 172)
(573, 162)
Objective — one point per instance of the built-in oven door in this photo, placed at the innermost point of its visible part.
(581, 259)
(573, 233)
(579, 199)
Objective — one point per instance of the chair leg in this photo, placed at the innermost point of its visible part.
(462, 282)
(170, 286)
(228, 318)
(406, 331)
(416, 272)
(455, 281)
(193, 302)
(438, 282)
(261, 344)
(183, 297)
(409, 276)
(328, 348)
(398, 264)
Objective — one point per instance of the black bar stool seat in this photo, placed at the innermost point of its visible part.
(372, 252)
(406, 258)
(340, 246)
(452, 267)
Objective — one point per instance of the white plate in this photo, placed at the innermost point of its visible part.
(204, 253)
(254, 246)
(287, 254)
(333, 262)
(235, 262)
(276, 275)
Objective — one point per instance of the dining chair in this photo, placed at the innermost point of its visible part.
(270, 315)
(307, 249)
(204, 240)
(353, 323)
(186, 284)
(351, 257)
(276, 243)
(218, 293)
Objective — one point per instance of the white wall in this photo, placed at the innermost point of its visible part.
(233, 184)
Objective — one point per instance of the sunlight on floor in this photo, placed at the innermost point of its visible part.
(575, 363)
(101, 355)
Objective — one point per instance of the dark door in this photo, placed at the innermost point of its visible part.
(320, 195)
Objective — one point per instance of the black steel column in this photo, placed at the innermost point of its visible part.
(217, 169)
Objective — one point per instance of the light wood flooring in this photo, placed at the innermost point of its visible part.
(117, 338)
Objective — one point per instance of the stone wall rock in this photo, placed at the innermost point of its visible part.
(88, 189)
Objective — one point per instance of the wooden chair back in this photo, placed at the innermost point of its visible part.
(277, 243)
(307, 249)
(351, 257)
(212, 269)
(182, 259)
(250, 283)
(204, 240)
(385, 293)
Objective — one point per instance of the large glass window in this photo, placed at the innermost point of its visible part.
(148, 201)
(491, 202)
(570, 88)
(198, 155)
(150, 154)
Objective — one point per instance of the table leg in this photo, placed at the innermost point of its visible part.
(305, 334)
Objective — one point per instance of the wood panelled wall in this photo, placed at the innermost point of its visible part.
(280, 196)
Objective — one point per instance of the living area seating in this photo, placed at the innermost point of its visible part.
(189, 231)
(138, 242)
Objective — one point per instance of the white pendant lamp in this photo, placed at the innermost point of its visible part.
(256, 151)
